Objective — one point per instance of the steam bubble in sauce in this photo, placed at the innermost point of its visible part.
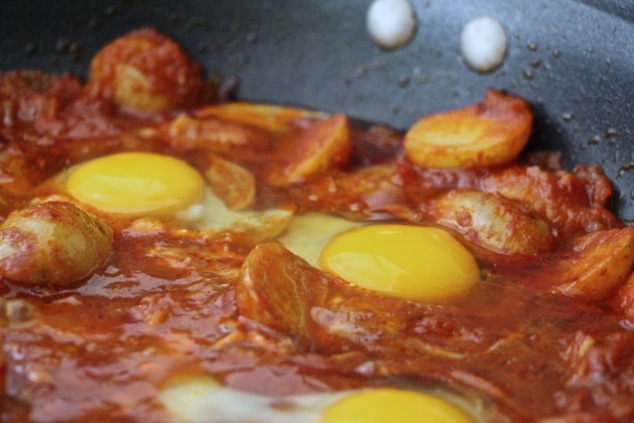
(483, 44)
(391, 23)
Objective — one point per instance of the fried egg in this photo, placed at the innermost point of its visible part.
(141, 184)
(423, 264)
(202, 399)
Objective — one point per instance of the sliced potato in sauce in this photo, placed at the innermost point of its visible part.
(491, 221)
(322, 146)
(601, 263)
(234, 184)
(489, 132)
(278, 119)
(215, 135)
(52, 243)
(145, 71)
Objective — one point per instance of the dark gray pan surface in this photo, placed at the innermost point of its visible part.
(572, 60)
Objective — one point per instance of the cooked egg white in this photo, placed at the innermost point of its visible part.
(307, 234)
(202, 399)
(423, 264)
(391, 23)
(211, 214)
(483, 43)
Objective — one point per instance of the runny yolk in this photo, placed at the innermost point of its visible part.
(423, 264)
(393, 405)
(136, 183)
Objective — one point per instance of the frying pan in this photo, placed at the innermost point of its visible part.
(571, 60)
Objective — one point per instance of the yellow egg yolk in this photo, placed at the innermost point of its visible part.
(393, 405)
(423, 264)
(136, 183)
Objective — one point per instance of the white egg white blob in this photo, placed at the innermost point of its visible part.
(483, 44)
(203, 400)
(391, 23)
(211, 214)
(307, 234)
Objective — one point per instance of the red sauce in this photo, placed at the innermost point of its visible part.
(165, 304)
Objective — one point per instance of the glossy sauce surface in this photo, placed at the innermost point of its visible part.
(167, 302)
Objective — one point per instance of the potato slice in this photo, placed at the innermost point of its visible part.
(231, 182)
(489, 132)
(277, 119)
(322, 146)
(491, 221)
(282, 291)
(601, 263)
(215, 135)
(145, 71)
(278, 295)
(52, 243)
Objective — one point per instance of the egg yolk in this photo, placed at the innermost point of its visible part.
(393, 405)
(423, 264)
(136, 183)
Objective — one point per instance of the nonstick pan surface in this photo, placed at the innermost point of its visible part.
(571, 59)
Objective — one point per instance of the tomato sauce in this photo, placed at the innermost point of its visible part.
(167, 303)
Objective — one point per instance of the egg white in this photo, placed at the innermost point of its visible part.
(306, 235)
(200, 399)
(210, 214)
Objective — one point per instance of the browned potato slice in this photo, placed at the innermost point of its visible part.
(491, 221)
(234, 184)
(265, 296)
(602, 261)
(323, 146)
(214, 135)
(491, 131)
(52, 243)
(285, 293)
(147, 72)
(278, 119)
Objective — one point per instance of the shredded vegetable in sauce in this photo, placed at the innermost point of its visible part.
(167, 255)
